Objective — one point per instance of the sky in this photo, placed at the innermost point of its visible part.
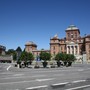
(39, 20)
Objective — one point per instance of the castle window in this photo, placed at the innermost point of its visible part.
(53, 40)
(54, 53)
(54, 48)
(68, 35)
(71, 35)
(88, 38)
(75, 35)
(61, 48)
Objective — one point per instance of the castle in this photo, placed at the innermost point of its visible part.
(72, 43)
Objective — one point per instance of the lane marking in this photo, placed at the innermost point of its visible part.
(78, 81)
(21, 76)
(27, 81)
(58, 74)
(78, 87)
(38, 87)
(18, 75)
(40, 80)
(39, 76)
(8, 67)
(59, 84)
(80, 69)
(18, 82)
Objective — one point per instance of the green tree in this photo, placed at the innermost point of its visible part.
(18, 52)
(30, 56)
(59, 56)
(19, 49)
(71, 58)
(12, 52)
(24, 56)
(45, 57)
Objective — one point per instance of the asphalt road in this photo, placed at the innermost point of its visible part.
(76, 77)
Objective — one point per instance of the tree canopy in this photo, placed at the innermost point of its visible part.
(26, 56)
(45, 56)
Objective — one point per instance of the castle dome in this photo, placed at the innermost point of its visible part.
(30, 43)
(72, 27)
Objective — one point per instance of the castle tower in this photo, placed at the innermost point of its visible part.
(30, 46)
(72, 32)
(54, 45)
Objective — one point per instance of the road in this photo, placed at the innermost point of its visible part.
(76, 77)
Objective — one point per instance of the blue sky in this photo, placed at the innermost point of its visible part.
(38, 20)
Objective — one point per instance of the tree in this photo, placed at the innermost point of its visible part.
(19, 49)
(26, 57)
(59, 57)
(30, 56)
(45, 57)
(12, 52)
(18, 52)
(70, 58)
(66, 58)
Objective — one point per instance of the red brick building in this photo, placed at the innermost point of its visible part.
(73, 43)
(32, 47)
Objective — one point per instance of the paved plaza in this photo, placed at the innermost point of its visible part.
(76, 77)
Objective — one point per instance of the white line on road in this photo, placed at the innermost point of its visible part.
(8, 67)
(17, 82)
(78, 81)
(18, 74)
(39, 76)
(40, 80)
(80, 69)
(27, 81)
(38, 87)
(59, 84)
(21, 76)
(85, 86)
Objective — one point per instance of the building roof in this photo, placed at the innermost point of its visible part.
(30, 43)
(87, 36)
(72, 27)
(55, 37)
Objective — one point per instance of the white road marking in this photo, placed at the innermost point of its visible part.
(40, 80)
(18, 75)
(21, 76)
(27, 81)
(85, 86)
(78, 81)
(80, 69)
(59, 84)
(38, 87)
(38, 76)
(8, 67)
(58, 74)
(18, 82)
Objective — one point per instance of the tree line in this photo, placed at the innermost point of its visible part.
(19, 56)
